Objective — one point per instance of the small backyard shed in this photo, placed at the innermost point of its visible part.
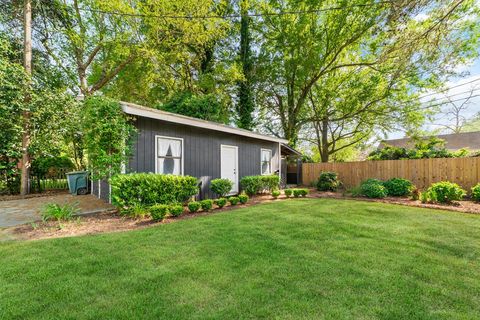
(168, 143)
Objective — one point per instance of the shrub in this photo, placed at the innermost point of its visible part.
(328, 181)
(136, 211)
(415, 194)
(158, 211)
(221, 187)
(476, 193)
(275, 193)
(373, 188)
(398, 187)
(206, 204)
(243, 198)
(445, 192)
(303, 192)
(194, 206)
(53, 211)
(233, 200)
(424, 197)
(288, 192)
(252, 185)
(221, 202)
(147, 189)
(175, 209)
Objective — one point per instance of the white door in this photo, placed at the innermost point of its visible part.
(229, 165)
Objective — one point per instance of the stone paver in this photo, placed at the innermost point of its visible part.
(20, 211)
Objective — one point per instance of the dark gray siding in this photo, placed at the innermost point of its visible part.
(201, 150)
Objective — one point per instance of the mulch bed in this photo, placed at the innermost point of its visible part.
(111, 221)
(8, 197)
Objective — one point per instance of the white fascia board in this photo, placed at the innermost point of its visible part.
(137, 110)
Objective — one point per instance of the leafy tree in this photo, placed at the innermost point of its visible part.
(205, 107)
(245, 104)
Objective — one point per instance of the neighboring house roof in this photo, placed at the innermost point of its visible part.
(137, 110)
(454, 141)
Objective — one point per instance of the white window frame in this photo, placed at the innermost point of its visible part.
(270, 164)
(156, 152)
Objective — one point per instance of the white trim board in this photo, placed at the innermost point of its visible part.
(137, 110)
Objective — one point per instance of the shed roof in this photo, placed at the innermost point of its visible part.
(138, 110)
(453, 141)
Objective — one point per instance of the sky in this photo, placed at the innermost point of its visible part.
(471, 73)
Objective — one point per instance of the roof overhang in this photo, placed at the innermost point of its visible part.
(287, 150)
(141, 111)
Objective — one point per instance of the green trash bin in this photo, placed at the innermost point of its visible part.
(78, 182)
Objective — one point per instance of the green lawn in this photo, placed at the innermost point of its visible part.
(306, 258)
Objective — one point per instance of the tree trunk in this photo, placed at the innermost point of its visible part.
(27, 62)
(324, 154)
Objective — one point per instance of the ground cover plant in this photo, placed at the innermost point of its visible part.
(58, 212)
(305, 258)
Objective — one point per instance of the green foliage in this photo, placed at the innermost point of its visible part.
(424, 197)
(147, 189)
(398, 187)
(205, 107)
(328, 181)
(415, 194)
(445, 192)
(107, 136)
(288, 192)
(476, 193)
(135, 211)
(355, 191)
(252, 185)
(42, 166)
(373, 188)
(275, 193)
(243, 198)
(194, 206)
(221, 202)
(426, 148)
(221, 187)
(300, 192)
(158, 211)
(206, 204)
(175, 209)
(54, 211)
(233, 200)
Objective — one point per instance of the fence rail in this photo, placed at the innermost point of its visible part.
(422, 172)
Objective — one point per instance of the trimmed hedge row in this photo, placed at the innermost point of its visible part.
(147, 189)
(259, 184)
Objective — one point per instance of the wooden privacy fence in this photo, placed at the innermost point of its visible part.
(422, 172)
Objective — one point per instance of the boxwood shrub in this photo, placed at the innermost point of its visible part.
(373, 188)
(147, 189)
(445, 192)
(476, 193)
(221, 202)
(399, 187)
(221, 186)
(252, 185)
(233, 200)
(158, 211)
(288, 192)
(194, 206)
(206, 204)
(175, 209)
(328, 181)
(243, 198)
(275, 193)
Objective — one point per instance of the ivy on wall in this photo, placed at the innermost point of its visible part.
(108, 134)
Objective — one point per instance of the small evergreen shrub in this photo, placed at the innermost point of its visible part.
(476, 193)
(221, 202)
(158, 211)
(233, 200)
(194, 206)
(275, 194)
(445, 192)
(147, 189)
(303, 192)
(288, 192)
(243, 198)
(175, 209)
(373, 188)
(221, 187)
(252, 185)
(328, 181)
(398, 187)
(54, 211)
(206, 204)
(296, 193)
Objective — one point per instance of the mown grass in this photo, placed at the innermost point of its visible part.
(305, 258)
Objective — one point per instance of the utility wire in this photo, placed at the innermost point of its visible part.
(449, 101)
(235, 16)
(448, 89)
